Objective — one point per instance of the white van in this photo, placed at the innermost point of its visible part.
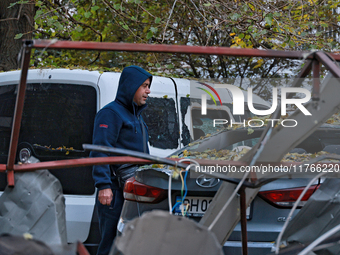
(59, 112)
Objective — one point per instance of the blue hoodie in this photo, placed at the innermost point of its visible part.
(119, 124)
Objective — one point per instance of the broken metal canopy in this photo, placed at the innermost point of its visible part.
(312, 62)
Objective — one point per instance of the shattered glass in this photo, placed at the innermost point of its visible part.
(160, 117)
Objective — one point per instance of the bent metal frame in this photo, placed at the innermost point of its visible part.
(223, 214)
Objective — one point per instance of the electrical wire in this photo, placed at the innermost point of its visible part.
(184, 186)
(169, 193)
(277, 246)
(185, 194)
(178, 203)
(182, 179)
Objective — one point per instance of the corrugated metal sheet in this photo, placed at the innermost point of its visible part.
(35, 205)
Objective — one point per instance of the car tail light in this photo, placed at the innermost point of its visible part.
(136, 191)
(287, 197)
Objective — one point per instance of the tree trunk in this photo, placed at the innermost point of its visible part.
(18, 19)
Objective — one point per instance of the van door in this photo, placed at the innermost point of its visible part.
(59, 110)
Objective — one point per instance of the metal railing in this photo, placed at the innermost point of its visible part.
(313, 61)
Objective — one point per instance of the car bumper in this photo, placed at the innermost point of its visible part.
(229, 247)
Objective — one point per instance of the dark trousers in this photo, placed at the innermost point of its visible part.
(108, 217)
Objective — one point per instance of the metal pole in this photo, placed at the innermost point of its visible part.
(316, 80)
(243, 208)
(137, 154)
(299, 79)
(19, 106)
(177, 49)
(328, 63)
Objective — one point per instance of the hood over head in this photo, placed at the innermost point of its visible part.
(130, 80)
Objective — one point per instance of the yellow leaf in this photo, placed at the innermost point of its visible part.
(175, 174)
(28, 236)
(259, 63)
(185, 153)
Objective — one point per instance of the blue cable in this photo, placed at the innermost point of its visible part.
(185, 185)
(185, 193)
(173, 208)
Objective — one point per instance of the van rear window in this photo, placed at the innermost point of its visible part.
(57, 120)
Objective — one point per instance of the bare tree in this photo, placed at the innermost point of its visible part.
(16, 20)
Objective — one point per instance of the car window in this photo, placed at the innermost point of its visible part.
(162, 121)
(203, 124)
(185, 134)
(57, 119)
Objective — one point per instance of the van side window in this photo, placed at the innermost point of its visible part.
(185, 103)
(162, 121)
(57, 119)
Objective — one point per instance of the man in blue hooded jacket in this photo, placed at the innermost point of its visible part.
(118, 124)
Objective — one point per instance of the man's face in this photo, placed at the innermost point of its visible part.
(142, 93)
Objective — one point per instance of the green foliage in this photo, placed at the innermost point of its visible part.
(19, 2)
(157, 20)
(18, 36)
(279, 25)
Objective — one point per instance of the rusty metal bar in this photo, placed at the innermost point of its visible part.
(78, 163)
(243, 209)
(316, 80)
(136, 154)
(67, 163)
(10, 178)
(328, 63)
(127, 159)
(114, 160)
(303, 73)
(299, 79)
(19, 106)
(81, 250)
(182, 49)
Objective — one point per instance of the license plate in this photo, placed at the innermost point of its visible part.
(197, 206)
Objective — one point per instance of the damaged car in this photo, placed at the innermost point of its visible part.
(190, 196)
